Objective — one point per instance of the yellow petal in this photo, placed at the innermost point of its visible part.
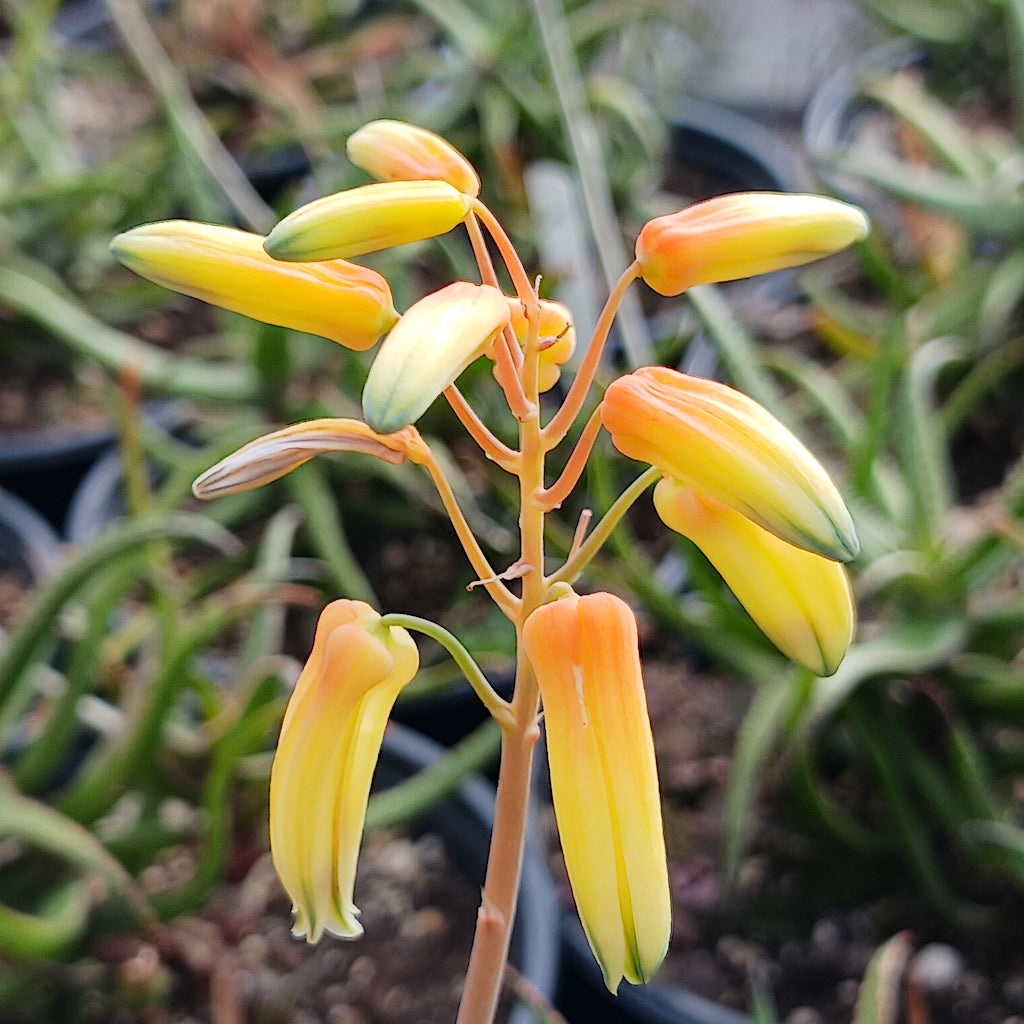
(397, 151)
(330, 740)
(604, 782)
(801, 601)
(429, 347)
(273, 455)
(368, 218)
(229, 268)
(722, 443)
(557, 339)
(743, 234)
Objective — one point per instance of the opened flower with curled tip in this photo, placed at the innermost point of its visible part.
(728, 476)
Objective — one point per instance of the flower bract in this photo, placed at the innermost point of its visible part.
(330, 740)
(604, 782)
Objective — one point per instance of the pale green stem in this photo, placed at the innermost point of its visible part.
(590, 547)
(498, 708)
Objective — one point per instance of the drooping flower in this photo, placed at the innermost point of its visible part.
(557, 339)
(368, 218)
(801, 601)
(397, 151)
(275, 454)
(330, 740)
(584, 651)
(715, 439)
(227, 267)
(741, 235)
(433, 342)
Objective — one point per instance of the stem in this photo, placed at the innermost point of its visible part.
(554, 495)
(507, 353)
(590, 547)
(494, 449)
(504, 862)
(499, 709)
(502, 597)
(519, 736)
(559, 425)
(520, 281)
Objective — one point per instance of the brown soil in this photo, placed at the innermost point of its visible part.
(239, 962)
(725, 944)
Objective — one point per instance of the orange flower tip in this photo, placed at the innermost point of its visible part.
(436, 339)
(397, 151)
(368, 218)
(741, 235)
(801, 601)
(272, 456)
(713, 438)
(350, 304)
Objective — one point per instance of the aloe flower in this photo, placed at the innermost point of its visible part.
(435, 340)
(556, 335)
(347, 303)
(801, 601)
(721, 443)
(585, 654)
(368, 218)
(397, 151)
(330, 740)
(275, 454)
(741, 235)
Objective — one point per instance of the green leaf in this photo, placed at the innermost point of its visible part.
(878, 1002)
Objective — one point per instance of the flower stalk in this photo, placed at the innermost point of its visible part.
(577, 656)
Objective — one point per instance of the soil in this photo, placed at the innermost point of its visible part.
(724, 945)
(239, 962)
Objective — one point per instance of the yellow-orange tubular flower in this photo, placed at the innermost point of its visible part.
(718, 441)
(347, 303)
(743, 234)
(275, 454)
(368, 218)
(330, 740)
(397, 151)
(801, 601)
(433, 342)
(604, 782)
(556, 336)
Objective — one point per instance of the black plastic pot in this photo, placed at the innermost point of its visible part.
(29, 547)
(464, 822)
(837, 120)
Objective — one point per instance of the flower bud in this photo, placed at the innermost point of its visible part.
(396, 151)
(229, 268)
(273, 455)
(330, 740)
(718, 441)
(801, 601)
(604, 783)
(741, 235)
(557, 339)
(368, 218)
(429, 347)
